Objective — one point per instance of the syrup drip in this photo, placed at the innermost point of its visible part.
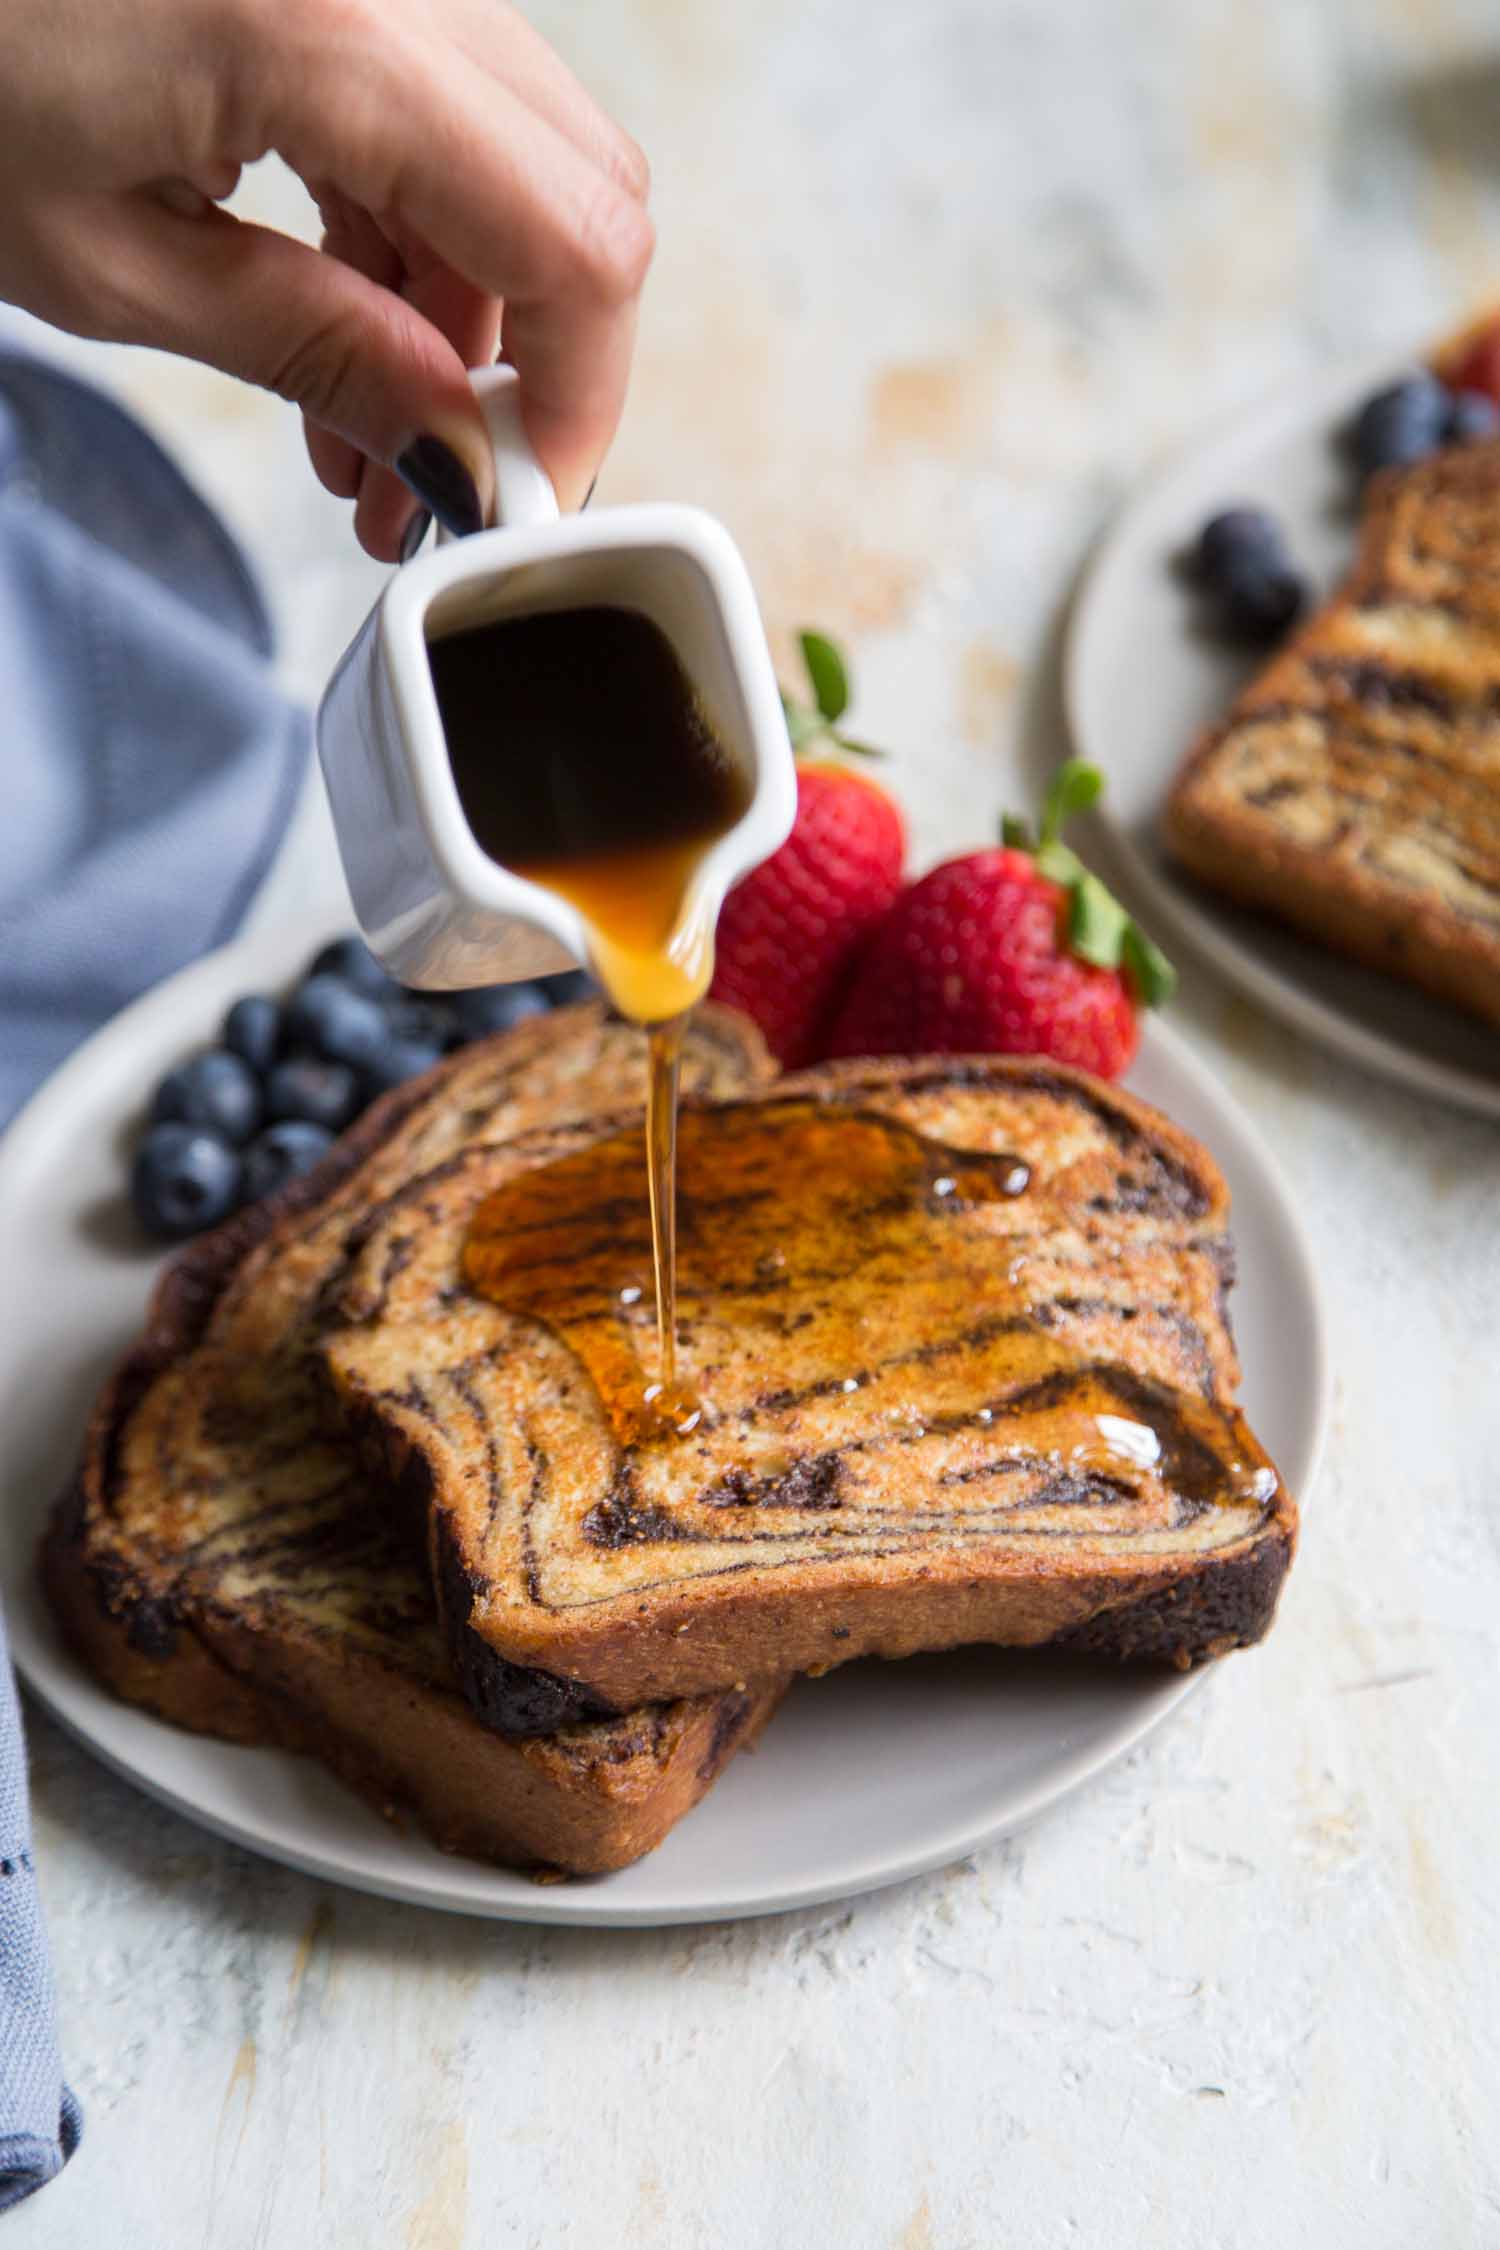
(849, 1287)
(585, 763)
(653, 946)
(771, 1197)
(670, 1403)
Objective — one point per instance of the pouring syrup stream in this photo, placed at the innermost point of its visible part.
(608, 785)
(671, 1404)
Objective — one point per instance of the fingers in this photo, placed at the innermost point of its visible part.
(471, 322)
(574, 371)
(445, 153)
(500, 42)
(337, 464)
(466, 316)
(352, 236)
(357, 358)
(503, 43)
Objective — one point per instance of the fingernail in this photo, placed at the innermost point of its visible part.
(415, 532)
(442, 483)
(588, 496)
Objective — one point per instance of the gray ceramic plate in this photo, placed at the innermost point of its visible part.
(877, 1772)
(1140, 681)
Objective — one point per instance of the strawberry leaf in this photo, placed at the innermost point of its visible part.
(828, 674)
(1097, 924)
(810, 723)
(1099, 929)
(1059, 863)
(802, 725)
(1073, 788)
(1149, 970)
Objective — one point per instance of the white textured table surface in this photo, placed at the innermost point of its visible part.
(934, 282)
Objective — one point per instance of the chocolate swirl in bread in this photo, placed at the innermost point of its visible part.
(1354, 788)
(959, 1331)
(226, 1559)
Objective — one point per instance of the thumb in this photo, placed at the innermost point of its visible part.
(356, 357)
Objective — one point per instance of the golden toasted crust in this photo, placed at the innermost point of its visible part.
(913, 1498)
(1354, 788)
(225, 1561)
(586, 1800)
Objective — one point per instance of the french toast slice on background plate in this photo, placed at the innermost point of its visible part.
(1353, 790)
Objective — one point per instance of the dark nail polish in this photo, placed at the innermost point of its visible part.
(415, 532)
(442, 483)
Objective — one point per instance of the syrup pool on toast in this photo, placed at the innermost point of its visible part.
(562, 1244)
(585, 762)
(903, 1267)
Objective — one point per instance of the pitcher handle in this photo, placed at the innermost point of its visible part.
(523, 489)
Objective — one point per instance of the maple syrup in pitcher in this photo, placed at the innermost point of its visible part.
(585, 762)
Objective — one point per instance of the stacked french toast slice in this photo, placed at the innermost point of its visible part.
(225, 1559)
(958, 1334)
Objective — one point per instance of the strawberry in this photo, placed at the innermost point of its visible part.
(1470, 361)
(1017, 951)
(789, 932)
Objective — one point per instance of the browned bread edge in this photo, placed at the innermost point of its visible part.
(1359, 918)
(1180, 1613)
(587, 1800)
(1342, 905)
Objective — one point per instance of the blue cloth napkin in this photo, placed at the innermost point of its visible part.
(39, 2119)
(149, 769)
(149, 765)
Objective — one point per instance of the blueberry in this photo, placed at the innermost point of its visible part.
(1471, 415)
(283, 1152)
(331, 1019)
(495, 1007)
(428, 1019)
(1401, 424)
(313, 1092)
(184, 1178)
(399, 1060)
(1261, 600)
(1233, 537)
(351, 961)
(567, 986)
(217, 1089)
(252, 1030)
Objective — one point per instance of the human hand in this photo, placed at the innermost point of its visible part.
(472, 195)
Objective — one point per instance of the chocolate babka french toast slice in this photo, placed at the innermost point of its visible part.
(963, 1373)
(226, 1560)
(1354, 788)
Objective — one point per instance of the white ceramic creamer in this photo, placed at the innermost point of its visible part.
(437, 909)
